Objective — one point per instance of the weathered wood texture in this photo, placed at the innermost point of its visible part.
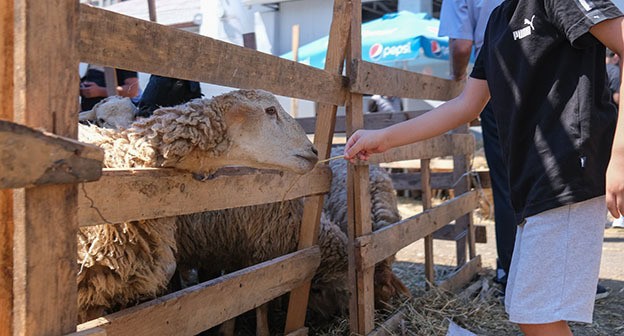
(377, 246)
(460, 278)
(123, 195)
(461, 166)
(361, 310)
(427, 203)
(412, 181)
(324, 131)
(453, 232)
(371, 120)
(197, 308)
(29, 157)
(6, 195)
(375, 120)
(370, 78)
(443, 145)
(45, 217)
(175, 53)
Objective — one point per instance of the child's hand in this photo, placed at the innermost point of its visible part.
(363, 143)
(615, 185)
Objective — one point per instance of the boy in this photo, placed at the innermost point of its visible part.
(542, 62)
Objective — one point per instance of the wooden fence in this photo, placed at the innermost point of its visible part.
(48, 181)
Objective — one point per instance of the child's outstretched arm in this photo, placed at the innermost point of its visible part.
(460, 110)
(611, 34)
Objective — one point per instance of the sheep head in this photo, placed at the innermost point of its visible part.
(111, 112)
(244, 127)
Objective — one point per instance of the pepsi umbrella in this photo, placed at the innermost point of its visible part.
(404, 40)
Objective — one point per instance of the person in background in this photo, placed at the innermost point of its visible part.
(93, 86)
(163, 91)
(381, 103)
(542, 65)
(464, 22)
(613, 73)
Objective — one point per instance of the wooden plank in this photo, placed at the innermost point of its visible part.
(46, 86)
(443, 145)
(197, 308)
(299, 332)
(453, 232)
(175, 53)
(6, 195)
(371, 120)
(29, 157)
(371, 78)
(362, 310)
(411, 181)
(123, 195)
(390, 326)
(461, 166)
(460, 278)
(323, 135)
(381, 244)
(428, 240)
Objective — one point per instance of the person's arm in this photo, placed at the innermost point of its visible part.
(611, 34)
(455, 112)
(459, 52)
(130, 88)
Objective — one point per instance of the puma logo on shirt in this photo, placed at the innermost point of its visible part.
(526, 31)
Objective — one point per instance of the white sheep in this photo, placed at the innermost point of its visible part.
(384, 211)
(111, 112)
(125, 263)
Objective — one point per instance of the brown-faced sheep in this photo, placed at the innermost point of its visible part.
(384, 211)
(125, 263)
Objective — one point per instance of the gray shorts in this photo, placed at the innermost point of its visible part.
(555, 264)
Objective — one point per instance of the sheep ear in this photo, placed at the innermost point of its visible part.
(86, 115)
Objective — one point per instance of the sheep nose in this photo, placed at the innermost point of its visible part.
(314, 151)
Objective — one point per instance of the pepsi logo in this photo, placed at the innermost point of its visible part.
(435, 47)
(375, 51)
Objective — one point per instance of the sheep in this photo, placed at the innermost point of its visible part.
(384, 211)
(221, 241)
(125, 263)
(110, 112)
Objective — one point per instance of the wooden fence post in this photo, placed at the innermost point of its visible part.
(6, 195)
(323, 136)
(46, 83)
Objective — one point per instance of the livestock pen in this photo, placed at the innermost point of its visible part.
(51, 184)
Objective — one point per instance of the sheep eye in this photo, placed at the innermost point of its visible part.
(271, 110)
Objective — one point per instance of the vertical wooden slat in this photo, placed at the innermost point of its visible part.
(361, 308)
(425, 181)
(45, 217)
(460, 168)
(294, 102)
(6, 195)
(151, 7)
(323, 135)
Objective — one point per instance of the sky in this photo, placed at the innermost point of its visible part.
(619, 3)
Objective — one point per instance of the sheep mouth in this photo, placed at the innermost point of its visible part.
(312, 159)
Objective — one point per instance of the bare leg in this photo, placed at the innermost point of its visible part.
(559, 328)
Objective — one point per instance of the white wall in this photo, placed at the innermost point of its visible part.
(312, 16)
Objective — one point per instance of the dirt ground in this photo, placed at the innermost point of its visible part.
(608, 313)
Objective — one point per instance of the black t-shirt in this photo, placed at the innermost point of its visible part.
(547, 80)
(96, 75)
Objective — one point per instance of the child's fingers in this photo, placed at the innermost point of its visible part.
(612, 205)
